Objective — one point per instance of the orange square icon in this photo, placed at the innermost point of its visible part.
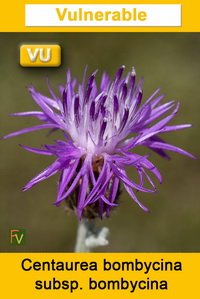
(40, 55)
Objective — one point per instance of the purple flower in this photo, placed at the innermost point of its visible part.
(96, 123)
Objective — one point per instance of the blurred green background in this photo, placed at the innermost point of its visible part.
(167, 60)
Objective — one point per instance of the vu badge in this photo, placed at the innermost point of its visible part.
(17, 236)
(40, 55)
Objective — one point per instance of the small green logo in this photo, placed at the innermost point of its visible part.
(17, 236)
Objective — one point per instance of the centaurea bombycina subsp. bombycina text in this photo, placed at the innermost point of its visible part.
(95, 151)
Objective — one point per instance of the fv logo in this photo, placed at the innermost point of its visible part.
(17, 236)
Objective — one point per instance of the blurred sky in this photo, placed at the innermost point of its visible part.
(167, 60)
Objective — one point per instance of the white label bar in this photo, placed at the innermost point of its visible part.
(146, 15)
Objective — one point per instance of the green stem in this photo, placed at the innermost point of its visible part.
(89, 237)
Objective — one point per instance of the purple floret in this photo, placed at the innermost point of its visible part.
(96, 148)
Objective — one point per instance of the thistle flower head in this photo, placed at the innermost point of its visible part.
(96, 123)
